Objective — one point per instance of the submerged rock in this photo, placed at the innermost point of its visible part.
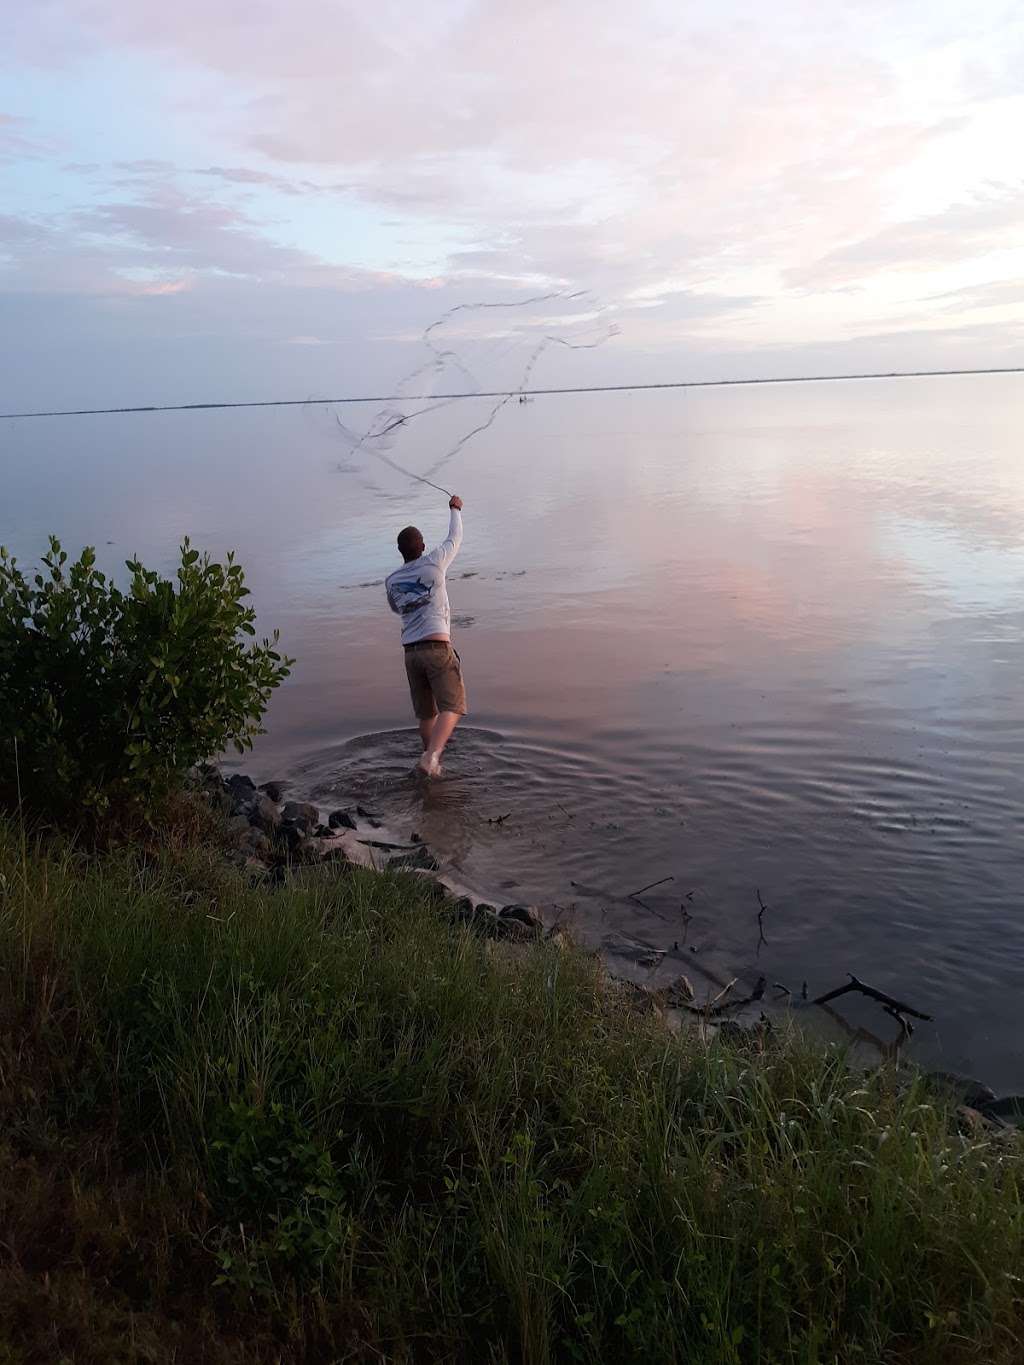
(342, 819)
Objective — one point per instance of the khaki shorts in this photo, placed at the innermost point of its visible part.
(434, 670)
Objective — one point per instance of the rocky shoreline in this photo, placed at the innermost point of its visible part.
(279, 840)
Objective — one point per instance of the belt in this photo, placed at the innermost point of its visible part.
(420, 644)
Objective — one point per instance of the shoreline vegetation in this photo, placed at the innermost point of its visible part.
(260, 1102)
(325, 1120)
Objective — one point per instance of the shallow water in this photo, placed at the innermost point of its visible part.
(752, 640)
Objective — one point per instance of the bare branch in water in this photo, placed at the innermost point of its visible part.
(854, 984)
(760, 923)
(650, 887)
(723, 992)
(718, 1005)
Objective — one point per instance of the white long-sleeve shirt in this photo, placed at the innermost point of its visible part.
(418, 591)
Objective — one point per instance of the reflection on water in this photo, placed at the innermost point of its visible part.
(762, 640)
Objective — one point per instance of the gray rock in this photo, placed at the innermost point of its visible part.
(263, 814)
(464, 910)
(1010, 1108)
(436, 891)
(419, 858)
(484, 920)
(301, 813)
(523, 914)
(241, 792)
(736, 1031)
(257, 843)
(275, 790)
(342, 819)
(238, 828)
(964, 1089)
(220, 798)
(510, 930)
(291, 837)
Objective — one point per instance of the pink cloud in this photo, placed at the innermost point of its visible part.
(697, 160)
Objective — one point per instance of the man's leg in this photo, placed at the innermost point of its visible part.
(444, 670)
(443, 727)
(422, 698)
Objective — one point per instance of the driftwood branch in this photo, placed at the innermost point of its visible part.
(650, 887)
(726, 990)
(718, 1005)
(906, 1026)
(894, 1007)
(760, 922)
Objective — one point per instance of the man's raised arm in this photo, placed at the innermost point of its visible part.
(449, 547)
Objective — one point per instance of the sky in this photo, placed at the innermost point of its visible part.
(217, 199)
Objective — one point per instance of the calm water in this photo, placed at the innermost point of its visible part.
(763, 639)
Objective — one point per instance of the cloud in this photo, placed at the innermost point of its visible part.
(157, 244)
(144, 166)
(963, 231)
(16, 142)
(245, 175)
(15, 231)
(720, 173)
(997, 294)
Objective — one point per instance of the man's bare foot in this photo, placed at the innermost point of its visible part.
(429, 764)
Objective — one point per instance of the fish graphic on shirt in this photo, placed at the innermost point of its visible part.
(409, 594)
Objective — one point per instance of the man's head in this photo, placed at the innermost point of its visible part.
(410, 544)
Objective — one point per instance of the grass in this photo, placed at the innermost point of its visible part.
(323, 1124)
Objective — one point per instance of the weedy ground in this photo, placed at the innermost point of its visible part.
(326, 1124)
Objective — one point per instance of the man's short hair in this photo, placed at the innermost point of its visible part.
(410, 542)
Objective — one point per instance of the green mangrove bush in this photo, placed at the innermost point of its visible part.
(109, 696)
